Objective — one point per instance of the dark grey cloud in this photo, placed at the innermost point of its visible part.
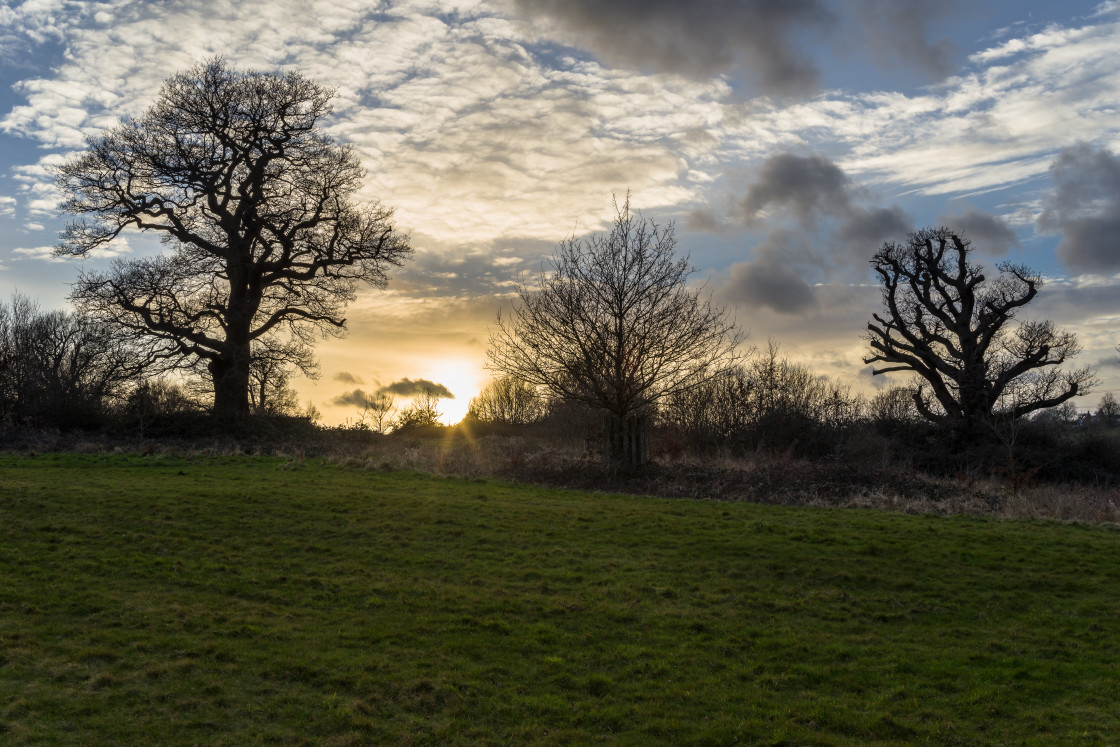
(767, 284)
(701, 219)
(897, 32)
(817, 232)
(806, 186)
(411, 387)
(988, 233)
(1075, 304)
(347, 378)
(760, 39)
(772, 279)
(356, 398)
(864, 230)
(1085, 209)
(773, 45)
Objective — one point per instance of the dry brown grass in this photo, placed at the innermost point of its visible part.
(761, 477)
(541, 458)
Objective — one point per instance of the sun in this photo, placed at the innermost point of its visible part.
(464, 378)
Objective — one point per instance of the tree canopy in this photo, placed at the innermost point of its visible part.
(614, 326)
(945, 321)
(233, 171)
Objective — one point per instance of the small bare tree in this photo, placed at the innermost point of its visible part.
(946, 322)
(614, 327)
(422, 412)
(379, 411)
(60, 368)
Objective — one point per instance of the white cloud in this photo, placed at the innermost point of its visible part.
(45, 253)
(119, 247)
(7, 206)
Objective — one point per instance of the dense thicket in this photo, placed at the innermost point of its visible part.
(61, 369)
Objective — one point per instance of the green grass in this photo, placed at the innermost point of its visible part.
(225, 600)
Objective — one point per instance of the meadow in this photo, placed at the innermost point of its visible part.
(220, 599)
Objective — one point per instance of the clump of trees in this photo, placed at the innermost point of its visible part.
(233, 170)
(507, 401)
(613, 326)
(61, 369)
(767, 402)
(956, 329)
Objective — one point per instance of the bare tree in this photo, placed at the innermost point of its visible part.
(233, 170)
(613, 326)
(509, 401)
(946, 322)
(270, 391)
(1108, 410)
(378, 412)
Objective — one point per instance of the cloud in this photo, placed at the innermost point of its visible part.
(1085, 208)
(7, 206)
(411, 387)
(45, 253)
(897, 31)
(356, 398)
(817, 229)
(771, 45)
(699, 39)
(807, 186)
(767, 284)
(119, 246)
(347, 378)
(863, 230)
(997, 125)
(988, 233)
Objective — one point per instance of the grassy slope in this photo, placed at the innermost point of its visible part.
(240, 600)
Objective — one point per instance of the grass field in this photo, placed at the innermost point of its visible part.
(239, 600)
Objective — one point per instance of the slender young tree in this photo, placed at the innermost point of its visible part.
(233, 171)
(614, 327)
(946, 322)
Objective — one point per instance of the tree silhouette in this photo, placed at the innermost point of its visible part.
(946, 322)
(614, 327)
(508, 401)
(233, 170)
(60, 368)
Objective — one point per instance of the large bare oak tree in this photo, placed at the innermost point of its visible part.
(233, 170)
(613, 326)
(945, 321)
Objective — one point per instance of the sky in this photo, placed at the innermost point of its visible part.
(786, 141)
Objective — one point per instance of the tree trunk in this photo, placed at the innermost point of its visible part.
(624, 440)
(231, 386)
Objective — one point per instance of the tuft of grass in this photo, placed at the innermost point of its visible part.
(230, 600)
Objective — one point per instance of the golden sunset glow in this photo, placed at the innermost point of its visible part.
(465, 379)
